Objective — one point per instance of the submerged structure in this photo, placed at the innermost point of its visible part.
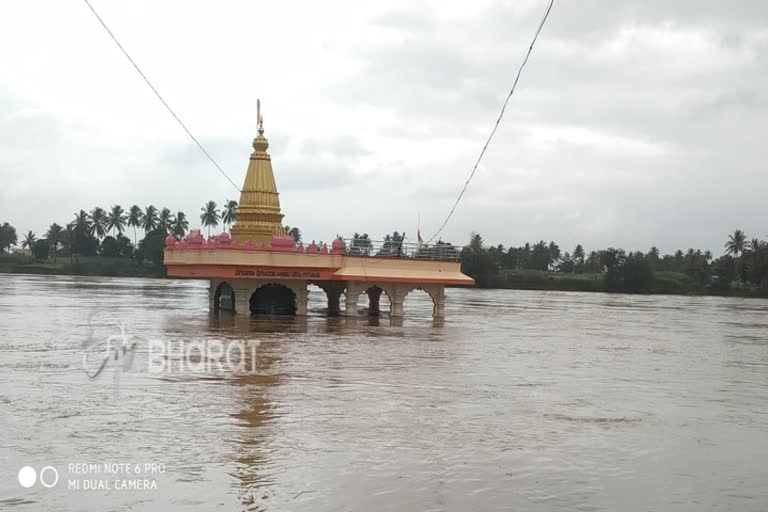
(259, 268)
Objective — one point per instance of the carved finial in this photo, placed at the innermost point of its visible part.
(259, 119)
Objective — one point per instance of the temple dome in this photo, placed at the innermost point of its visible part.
(258, 214)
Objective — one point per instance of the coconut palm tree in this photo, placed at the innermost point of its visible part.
(149, 219)
(736, 243)
(68, 239)
(578, 253)
(165, 220)
(294, 233)
(54, 235)
(116, 219)
(135, 220)
(554, 254)
(79, 228)
(8, 236)
(29, 239)
(99, 222)
(210, 216)
(229, 213)
(755, 245)
(81, 222)
(180, 225)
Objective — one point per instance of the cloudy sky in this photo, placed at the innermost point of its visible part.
(636, 122)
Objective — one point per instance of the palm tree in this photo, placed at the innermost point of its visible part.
(294, 233)
(149, 219)
(165, 220)
(736, 243)
(554, 254)
(116, 219)
(54, 235)
(77, 229)
(29, 239)
(99, 222)
(69, 239)
(210, 216)
(81, 223)
(8, 237)
(755, 245)
(180, 225)
(229, 213)
(135, 220)
(578, 253)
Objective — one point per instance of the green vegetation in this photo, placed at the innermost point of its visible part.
(83, 266)
(8, 237)
(742, 270)
(94, 244)
(294, 233)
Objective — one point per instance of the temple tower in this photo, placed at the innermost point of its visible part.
(258, 214)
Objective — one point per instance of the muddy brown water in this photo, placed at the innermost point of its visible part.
(520, 400)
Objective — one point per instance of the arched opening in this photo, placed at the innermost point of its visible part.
(224, 297)
(374, 294)
(273, 299)
(419, 303)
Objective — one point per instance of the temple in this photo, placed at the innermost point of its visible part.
(260, 269)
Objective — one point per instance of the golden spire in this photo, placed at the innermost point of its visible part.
(258, 214)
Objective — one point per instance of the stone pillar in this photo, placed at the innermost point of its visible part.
(212, 306)
(350, 304)
(374, 298)
(438, 298)
(397, 297)
(334, 303)
(302, 299)
(299, 289)
(333, 290)
(353, 292)
(243, 300)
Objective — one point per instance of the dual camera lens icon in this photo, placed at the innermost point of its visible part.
(49, 477)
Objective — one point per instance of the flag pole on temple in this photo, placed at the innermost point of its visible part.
(418, 230)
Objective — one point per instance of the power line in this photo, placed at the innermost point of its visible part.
(178, 120)
(495, 126)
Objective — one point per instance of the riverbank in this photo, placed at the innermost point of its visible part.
(81, 266)
(663, 283)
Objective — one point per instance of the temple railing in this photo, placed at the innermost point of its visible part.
(361, 247)
(399, 249)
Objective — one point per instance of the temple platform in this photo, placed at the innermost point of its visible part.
(248, 279)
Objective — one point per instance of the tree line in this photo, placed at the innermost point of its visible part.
(101, 232)
(743, 266)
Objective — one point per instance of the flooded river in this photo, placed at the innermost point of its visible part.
(521, 400)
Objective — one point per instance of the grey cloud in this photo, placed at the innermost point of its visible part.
(402, 21)
(301, 174)
(646, 141)
(22, 126)
(342, 146)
